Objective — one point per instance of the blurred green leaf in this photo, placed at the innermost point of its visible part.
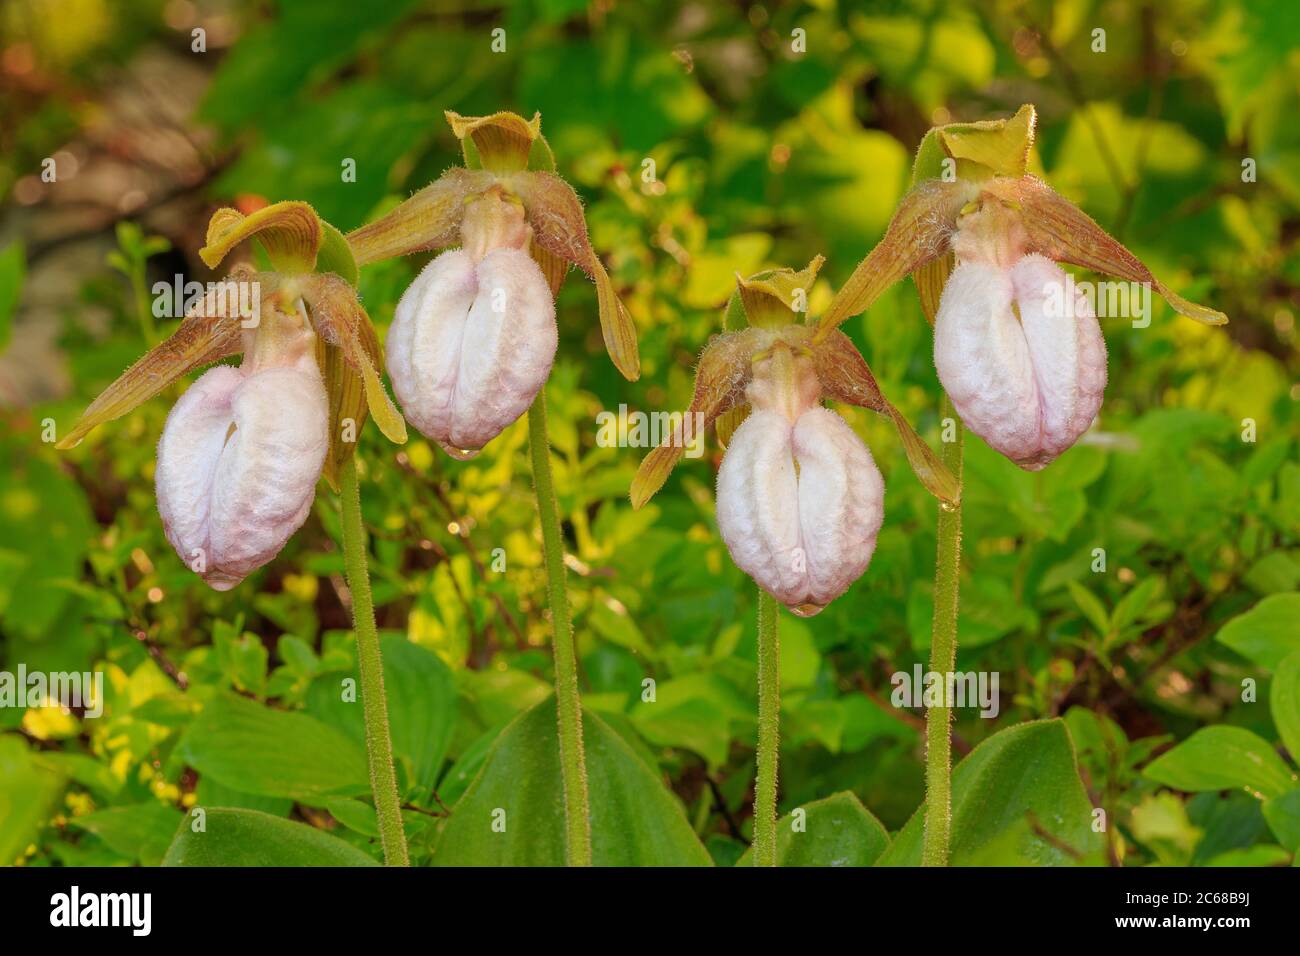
(1284, 702)
(1267, 633)
(141, 832)
(27, 795)
(1223, 758)
(13, 267)
(274, 753)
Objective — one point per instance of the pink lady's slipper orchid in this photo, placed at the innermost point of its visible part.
(241, 453)
(1025, 370)
(1018, 349)
(799, 498)
(474, 336)
(244, 447)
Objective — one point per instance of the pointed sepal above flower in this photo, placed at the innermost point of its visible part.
(500, 143)
(289, 231)
(981, 149)
(777, 297)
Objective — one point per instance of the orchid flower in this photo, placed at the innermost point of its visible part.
(799, 498)
(244, 447)
(1019, 352)
(474, 336)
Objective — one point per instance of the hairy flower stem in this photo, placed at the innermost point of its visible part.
(769, 730)
(943, 659)
(573, 764)
(374, 702)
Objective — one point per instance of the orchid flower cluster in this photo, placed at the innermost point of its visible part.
(798, 495)
(472, 343)
(800, 498)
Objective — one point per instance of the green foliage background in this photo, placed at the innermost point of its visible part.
(1120, 689)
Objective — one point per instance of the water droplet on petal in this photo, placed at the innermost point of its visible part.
(807, 610)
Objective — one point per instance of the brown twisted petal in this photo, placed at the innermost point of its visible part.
(205, 335)
(341, 322)
(559, 226)
(428, 220)
(846, 377)
(723, 372)
(919, 233)
(1061, 231)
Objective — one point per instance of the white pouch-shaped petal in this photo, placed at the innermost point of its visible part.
(799, 507)
(238, 463)
(471, 345)
(1029, 379)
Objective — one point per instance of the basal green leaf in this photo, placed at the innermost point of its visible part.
(513, 812)
(421, 706)
(1017, 800)
(836, 831)
(253, 838)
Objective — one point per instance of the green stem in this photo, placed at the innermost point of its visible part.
(143, 307)
(769, 730)
(573, 765)
(943, 659)
(374, 703)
